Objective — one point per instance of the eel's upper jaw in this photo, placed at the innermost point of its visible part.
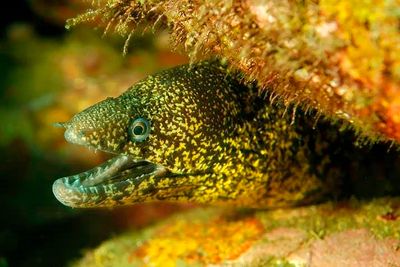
(106, 184)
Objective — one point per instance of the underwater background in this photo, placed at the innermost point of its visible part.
(47, 75)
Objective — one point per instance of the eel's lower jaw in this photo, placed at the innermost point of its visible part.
(107, 184)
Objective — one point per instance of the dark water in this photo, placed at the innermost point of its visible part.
(18, 11)
(36, 230)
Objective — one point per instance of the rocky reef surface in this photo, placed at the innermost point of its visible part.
(352, 233)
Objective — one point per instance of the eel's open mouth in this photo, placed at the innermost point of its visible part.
(107, 184)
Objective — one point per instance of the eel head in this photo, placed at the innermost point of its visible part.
(164, 132)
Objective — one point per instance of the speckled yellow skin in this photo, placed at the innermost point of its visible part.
(220, 142)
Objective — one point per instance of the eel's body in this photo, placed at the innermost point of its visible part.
(196, 134)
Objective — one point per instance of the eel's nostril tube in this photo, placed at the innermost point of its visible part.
(75, 136)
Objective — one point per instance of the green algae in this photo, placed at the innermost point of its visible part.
(115, 252)
(324, 219)
(274, 262)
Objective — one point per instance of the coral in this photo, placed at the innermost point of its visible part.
(339, 57)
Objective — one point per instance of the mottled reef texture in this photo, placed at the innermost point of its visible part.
(332, 234)
(340, 57)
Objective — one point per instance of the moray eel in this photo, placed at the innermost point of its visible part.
(196, 134)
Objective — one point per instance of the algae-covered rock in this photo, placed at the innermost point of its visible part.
(339, 57)
(353, 233)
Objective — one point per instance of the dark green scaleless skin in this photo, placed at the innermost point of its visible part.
(195, 134)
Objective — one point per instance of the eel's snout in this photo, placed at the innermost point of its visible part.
(75, 136)
(74, 133)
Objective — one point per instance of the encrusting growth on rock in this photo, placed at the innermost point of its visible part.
(340, 58)
(340, 234)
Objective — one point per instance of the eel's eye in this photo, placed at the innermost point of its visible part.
(139, 129)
